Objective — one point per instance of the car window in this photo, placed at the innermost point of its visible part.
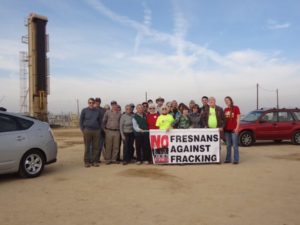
(252, 116)
(285, 116)
(297, 114)
(269, 117)
(8, 123)
(24, 124)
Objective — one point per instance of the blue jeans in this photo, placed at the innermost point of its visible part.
(232, 140)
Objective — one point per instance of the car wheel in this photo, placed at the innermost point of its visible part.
(296, 138)
(246, 138)
(32, 164)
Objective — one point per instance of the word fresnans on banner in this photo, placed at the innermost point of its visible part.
(185, 146)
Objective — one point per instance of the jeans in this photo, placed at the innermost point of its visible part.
(128, 147)
(232, 140)
(142, 146)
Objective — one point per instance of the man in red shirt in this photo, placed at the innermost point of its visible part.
(231, 129)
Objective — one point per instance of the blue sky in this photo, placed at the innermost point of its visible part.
(176, 49)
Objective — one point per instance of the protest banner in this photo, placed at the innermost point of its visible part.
(185, 146)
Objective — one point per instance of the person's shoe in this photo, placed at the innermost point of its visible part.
(108, 162)
(138, 163)
(146, 162)
(86, 165)
(96, 164)
(125, 163)
(235, 162)
(227, 161)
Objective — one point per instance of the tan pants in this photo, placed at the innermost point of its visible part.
(91, 140)
(112, 145)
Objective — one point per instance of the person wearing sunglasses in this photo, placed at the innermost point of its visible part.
(90, 124)
(152, 116)
(165, 120)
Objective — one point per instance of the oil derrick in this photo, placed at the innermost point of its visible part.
(38, 65)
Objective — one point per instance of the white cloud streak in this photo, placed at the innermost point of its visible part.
(161, 36)
(274, 25)
(147, 23)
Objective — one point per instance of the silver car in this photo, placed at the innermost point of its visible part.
(26, 145)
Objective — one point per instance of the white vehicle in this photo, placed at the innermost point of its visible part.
(26, 145)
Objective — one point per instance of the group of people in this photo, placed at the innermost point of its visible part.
(105, 129)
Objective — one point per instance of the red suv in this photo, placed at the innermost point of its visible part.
(270, 124)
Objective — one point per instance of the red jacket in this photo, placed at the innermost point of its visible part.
(151, 120)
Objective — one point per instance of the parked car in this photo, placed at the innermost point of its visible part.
(270, 124)
(26, 145)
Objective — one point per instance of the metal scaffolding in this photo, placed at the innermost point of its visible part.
(23, 82)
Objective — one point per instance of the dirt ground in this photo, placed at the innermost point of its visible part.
(263, 189)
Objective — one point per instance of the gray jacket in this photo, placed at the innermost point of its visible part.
(126, 124)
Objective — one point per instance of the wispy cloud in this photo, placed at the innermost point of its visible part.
(274, 25)
(147, 23)
(176, 40)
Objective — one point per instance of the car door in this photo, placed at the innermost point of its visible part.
(13, 142)
(285, 125)
(266, 127)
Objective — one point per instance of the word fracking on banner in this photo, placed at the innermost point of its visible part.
(185, 146)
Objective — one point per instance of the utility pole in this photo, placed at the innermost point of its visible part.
(277, 98)
(77, 102)
(146, 96)
(257, 86)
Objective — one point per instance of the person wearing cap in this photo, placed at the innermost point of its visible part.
(113, 102)
(159, 101)
(102, 133)
(90, 125)
(141, 131)
(150, 101)
(106, 107)
(111, 125)
(132, 107)
(165, 120)
(126, 130)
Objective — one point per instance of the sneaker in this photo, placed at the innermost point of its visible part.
(227, 161)
(235, 162)
(138, 163)
(86, 165)
(146, 162)
(96, 164)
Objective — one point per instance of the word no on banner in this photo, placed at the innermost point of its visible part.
(185, 146)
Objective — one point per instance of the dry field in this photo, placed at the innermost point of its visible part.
(263, 189)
